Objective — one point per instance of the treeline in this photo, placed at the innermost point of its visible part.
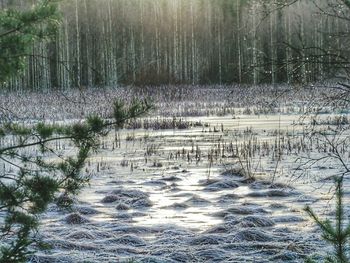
(151, 42)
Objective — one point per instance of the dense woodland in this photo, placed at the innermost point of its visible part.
(151, 42)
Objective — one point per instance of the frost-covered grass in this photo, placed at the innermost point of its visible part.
(170, 101)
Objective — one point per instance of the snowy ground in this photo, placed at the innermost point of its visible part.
(175, 195)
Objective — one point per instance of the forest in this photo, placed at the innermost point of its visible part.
(141, 42)
(174, 131)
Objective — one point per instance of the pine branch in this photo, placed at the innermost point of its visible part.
(337, 236)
